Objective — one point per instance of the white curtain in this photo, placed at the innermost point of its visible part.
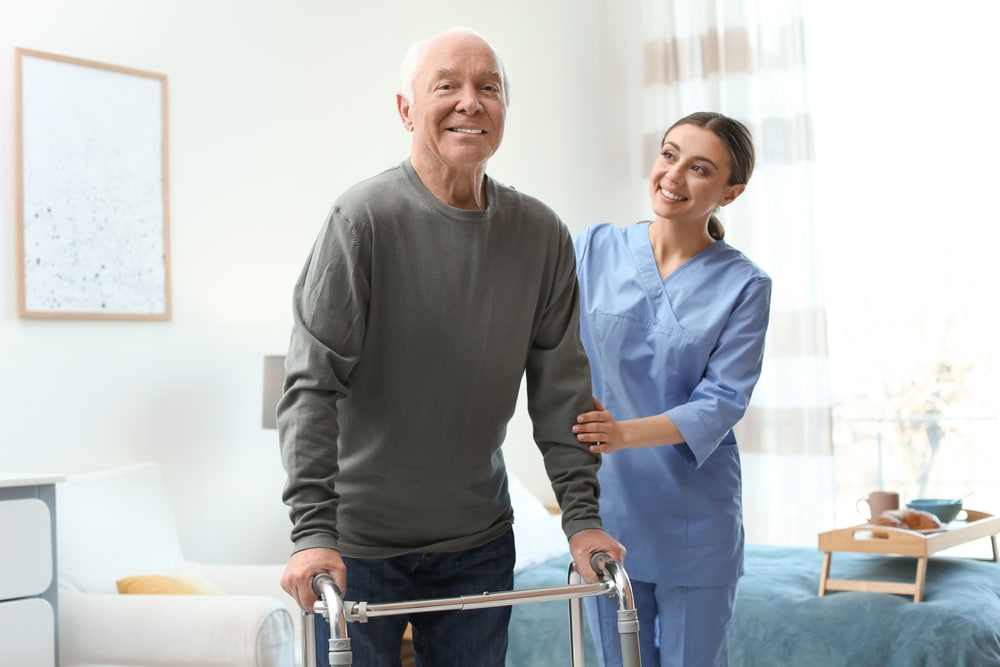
(746, 59)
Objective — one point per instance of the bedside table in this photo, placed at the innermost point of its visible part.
(28, 585)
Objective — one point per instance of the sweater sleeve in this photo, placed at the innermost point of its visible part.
(329, 303)
(559, 389)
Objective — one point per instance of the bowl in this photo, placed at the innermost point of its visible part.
(945, 509)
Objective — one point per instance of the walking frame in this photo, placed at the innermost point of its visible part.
(615, 582)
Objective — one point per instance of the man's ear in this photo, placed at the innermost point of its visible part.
(732, 193)
(403, 107)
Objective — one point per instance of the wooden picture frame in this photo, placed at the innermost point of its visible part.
(93, 237)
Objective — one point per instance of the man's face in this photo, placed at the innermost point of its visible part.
(458, 109)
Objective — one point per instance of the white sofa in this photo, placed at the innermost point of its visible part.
(119, 523)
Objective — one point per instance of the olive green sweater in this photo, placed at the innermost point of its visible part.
(414, 323)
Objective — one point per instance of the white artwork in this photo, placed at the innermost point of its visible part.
(93, 216)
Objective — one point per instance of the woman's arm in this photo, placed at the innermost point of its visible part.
(608, 434)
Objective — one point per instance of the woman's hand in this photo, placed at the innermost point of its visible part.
(600, 428)
(609, 435)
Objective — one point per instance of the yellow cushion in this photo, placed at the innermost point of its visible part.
(161, 584)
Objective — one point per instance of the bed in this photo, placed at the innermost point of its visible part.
(539, 631)
(779, 618)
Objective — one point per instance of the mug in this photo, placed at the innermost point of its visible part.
(878, 502)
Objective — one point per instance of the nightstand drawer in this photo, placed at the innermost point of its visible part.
(26, 557)
(28, 628)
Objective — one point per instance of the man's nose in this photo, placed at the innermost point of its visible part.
(469, 102)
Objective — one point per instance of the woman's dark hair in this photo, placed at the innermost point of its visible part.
(737, 140)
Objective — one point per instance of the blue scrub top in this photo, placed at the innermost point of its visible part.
(689, 346)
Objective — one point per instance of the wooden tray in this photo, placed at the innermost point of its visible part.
(867, 538)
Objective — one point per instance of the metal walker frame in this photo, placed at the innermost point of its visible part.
(615, 582)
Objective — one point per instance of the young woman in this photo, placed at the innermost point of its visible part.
(673, 319)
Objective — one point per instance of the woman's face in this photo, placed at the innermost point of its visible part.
(689, 179)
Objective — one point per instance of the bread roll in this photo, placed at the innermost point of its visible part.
(908, 519)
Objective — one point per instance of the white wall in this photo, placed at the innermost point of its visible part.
(274, 108)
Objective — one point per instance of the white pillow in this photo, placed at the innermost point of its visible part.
(538, 534)
(539, 540)
(526, 504)
(112, 524)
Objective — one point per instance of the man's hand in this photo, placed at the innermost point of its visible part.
(584, 544)
(304, 565)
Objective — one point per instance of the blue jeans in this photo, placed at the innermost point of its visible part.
(440, 638)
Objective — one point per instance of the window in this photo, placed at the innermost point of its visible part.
(907, 153)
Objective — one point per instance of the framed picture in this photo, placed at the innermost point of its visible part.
(93, 196)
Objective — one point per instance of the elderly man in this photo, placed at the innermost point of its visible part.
(429, 293)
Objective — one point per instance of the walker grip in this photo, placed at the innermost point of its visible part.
(597, 562)
(319, 580)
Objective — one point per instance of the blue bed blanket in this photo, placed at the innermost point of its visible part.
(779, 619)
(539, 631)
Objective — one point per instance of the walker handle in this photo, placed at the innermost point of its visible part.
(597, 562)
(319, 580)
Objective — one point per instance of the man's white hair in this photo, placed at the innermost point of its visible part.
(410, 67)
